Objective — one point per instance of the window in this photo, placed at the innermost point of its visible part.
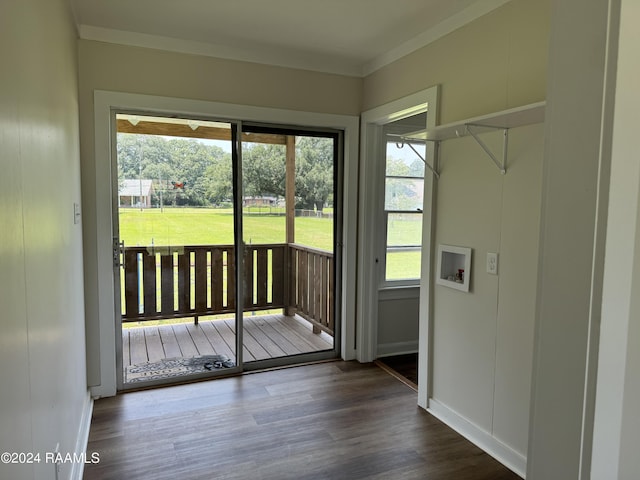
(403, 204)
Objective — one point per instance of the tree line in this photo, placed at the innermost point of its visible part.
(187, 172)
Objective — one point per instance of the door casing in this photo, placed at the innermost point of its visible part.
(372, 152)
(99, 282)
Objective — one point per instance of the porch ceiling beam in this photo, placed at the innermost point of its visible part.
(209, 133)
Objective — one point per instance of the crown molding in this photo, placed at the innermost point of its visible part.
(448, 25)
(263, 55)
(291, 58)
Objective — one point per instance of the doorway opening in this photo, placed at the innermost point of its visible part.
(224, 246)
(398, 195)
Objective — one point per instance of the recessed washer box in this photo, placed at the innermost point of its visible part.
(454, 267)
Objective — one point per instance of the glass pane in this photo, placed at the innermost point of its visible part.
(404, 229)
(403, 264)
(264, 188)
(403, 162)
(175, 215)
(403, 194)
(315, 165)
(173, 189)
(263, 185)
(288, 194)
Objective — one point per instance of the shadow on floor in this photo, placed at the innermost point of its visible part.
(402, 366)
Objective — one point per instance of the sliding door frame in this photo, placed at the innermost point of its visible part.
(236, 160)
(98, 233)
(338, 229)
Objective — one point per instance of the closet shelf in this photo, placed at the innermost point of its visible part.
(515, 117)
(504, 120)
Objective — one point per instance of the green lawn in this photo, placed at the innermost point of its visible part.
(403, 265)
(208, 226)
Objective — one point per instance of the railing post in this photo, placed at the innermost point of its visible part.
(290, 282)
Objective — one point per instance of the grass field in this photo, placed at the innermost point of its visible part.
(208, 226)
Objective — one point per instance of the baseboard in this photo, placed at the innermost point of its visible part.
(508, 457)
(397, 348)
(82, 439)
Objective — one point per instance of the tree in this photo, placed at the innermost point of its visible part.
(264, 170)
(183, 161)
(314, 172)
(218, 181)
(206, 170)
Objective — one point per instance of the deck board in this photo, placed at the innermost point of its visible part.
(185, 341)
(138, 347)
(265, 336)
(230, 327)
(219, 347)
(274, 349)
(249, 341)
(226, 334)
(200, 340)
(277, 337)
(155, 351)
(297, 340)
(169, 342)
(304, 330)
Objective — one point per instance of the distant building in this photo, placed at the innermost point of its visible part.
(262, 201)
(135, 193)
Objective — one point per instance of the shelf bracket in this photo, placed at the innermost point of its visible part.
(502, 166)
(402, 143)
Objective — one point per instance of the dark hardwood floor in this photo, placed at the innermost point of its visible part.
(334, 420)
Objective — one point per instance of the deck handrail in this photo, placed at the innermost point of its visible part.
(311, 286)
(161, 282)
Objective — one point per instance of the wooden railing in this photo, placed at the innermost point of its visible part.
(311, 286)
(192, 281)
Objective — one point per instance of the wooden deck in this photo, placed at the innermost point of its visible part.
(265, 337)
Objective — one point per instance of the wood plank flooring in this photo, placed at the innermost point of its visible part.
(335, 420)
(265, 336)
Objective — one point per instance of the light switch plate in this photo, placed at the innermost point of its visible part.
(492, 263)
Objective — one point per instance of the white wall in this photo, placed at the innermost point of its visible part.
(398, 330)
(575, 186)
(617, 422)
(42, 357)
(497, 62)
(483, 339)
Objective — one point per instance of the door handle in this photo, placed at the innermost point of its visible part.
(118, 249)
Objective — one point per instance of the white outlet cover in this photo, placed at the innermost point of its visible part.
(492, 263)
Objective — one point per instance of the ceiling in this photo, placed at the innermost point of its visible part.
(350, 37)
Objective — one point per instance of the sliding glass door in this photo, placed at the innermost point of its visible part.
(224, 246)
(175, 247)
(289, 230)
